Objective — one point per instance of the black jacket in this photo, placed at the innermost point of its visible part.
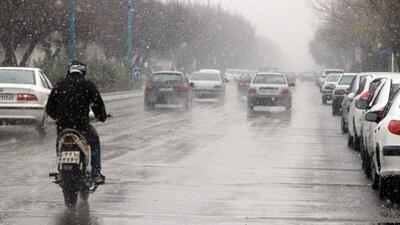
(70, 100)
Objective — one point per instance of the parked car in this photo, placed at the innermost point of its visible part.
(325, 74)
(340, 91)
(328, 87)
(167, 87)
(269, 89)
(23, 97)
(244, 82)
(307, 76)
(356, 115)
(348, 99)
(385, 159)
(208, 84)
(383, 93)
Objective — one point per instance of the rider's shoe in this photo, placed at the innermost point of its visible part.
(99, 178)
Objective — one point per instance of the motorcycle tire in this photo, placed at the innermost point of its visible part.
(70, 198)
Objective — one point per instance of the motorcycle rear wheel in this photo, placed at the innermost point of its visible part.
(70, 198)
(84, 195)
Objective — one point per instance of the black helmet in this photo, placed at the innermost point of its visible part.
(77, 67)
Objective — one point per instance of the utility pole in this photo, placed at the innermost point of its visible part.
(130, 36)
(72, 30)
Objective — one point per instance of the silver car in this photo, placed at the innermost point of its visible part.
(208, 84)
(23, 96)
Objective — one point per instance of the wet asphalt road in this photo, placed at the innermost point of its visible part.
(213, 165)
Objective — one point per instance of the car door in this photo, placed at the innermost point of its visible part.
(44, 88)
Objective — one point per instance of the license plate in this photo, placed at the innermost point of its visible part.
(6, 97)
(72, 157)
(166, 89)
(268, 92)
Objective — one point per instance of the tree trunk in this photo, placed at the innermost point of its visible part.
(9, 59)
(28, 53)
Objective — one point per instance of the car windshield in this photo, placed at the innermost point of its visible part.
(346, 80)
(333, 71)
(205, 77)
(17, 77)
(333, 78)
(167, 78)
(269, 79)
(246, 77)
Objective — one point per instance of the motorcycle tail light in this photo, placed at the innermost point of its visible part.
(394, 127)
(253, 91)
(26, 98)
(69, 139)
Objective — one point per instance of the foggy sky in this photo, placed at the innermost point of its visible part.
(288, 23)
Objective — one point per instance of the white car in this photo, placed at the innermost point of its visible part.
(326, 73)
(385, 91)
(269, 89)
(340, 91)
(328, 86)
(356, 115)
(348, 99)
(207, 84)
(385, 163)
(23, 97)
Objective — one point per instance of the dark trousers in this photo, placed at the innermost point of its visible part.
(94, 141)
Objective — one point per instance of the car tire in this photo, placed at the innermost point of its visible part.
(343, 126)
(41, 126)
(384, 189)
(250, 107)
(365, 164)
(288, 104)
(324, 100)
(374, 176)
(350, 140)
(149, 106)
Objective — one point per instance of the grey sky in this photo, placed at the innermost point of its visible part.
(286, 22)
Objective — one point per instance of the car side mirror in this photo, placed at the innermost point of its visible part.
(351, 96)
(292, 84)
(372, 117)
(191, 84)
(361, 104)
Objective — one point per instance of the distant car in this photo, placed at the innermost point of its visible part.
(384, 92)
(328, 87)
(23, 97)
(385, 159)
(167, 87)
(244, 82)
(326, 73)
(269, 89)
(307, 76)
(208, 84)
(340, 91)
(291, 78)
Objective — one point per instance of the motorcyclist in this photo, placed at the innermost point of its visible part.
(69, 105)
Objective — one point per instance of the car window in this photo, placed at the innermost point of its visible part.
(269, 79)
(375, 93)
(388, 106)
(167, 78)
(361, 86)
(44, 81)
(17, 77)
(333, 78)
(346, 80)
(205, 77)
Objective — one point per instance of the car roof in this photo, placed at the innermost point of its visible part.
(349, 74)
(269, 73)
(209, 71)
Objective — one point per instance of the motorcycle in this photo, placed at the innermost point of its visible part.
(73, 158)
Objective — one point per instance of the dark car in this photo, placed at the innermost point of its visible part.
(167, 88)
(244, 82)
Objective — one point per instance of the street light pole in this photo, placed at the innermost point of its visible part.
(72, 30)
(130, 35)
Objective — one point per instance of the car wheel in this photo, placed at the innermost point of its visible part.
(343, 126)
(374, 176)
(149, 106)
(323, 100)
(350, 140)
(364, 160)
(250, 108)
(41, 126)
(288, 105)
(384, 189)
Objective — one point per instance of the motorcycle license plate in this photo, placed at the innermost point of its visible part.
(72, 157)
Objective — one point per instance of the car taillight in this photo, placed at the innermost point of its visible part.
(26, 98)
(242, 84)
(253, 91)
(285, 92)
(148, 87)
(394, 127)
(365, 95)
